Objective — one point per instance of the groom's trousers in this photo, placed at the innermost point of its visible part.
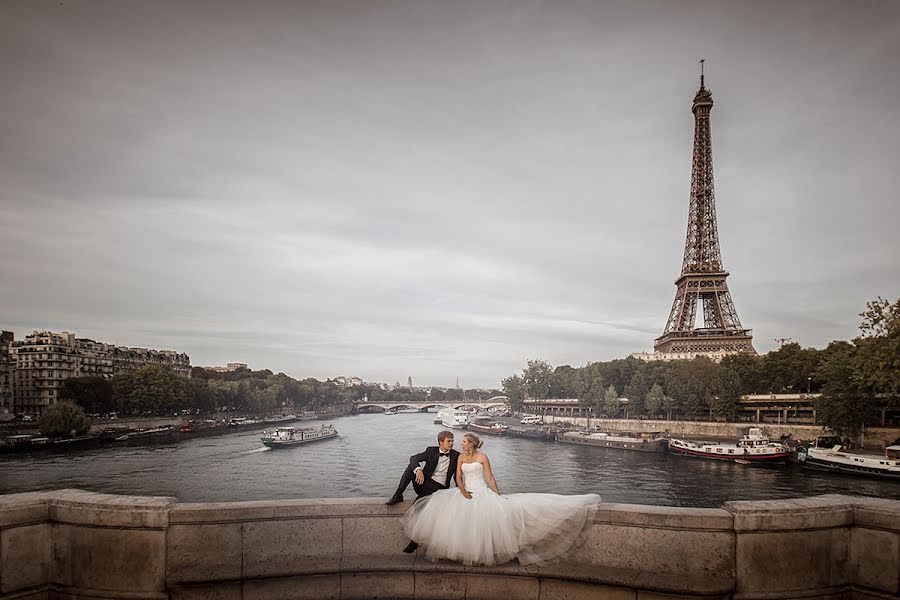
(428, 487)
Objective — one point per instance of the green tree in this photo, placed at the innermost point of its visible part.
(152, 388)
(514, 390)
(789, 368)
(564, 382)
(748, 368)
(611, 402)
(537, 377)
(655, 400)
(727, 393)
(589, 386)
(64, 418)
(843, 406)
(636, 391)
(876, 363)
(93, 394)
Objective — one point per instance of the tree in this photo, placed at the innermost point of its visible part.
(843, 407)
(654, 400)
(788, 368)
(93, 394)
(877, 360)
(564, 382)
(537, 378)
(611, 402)
(152, 388)
(690, 384)
(64, 418)
(636, 391)
(748, 368)
(514, 390)
(723, 404)
(589, 387)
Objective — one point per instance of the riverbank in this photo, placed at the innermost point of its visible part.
(875, 438)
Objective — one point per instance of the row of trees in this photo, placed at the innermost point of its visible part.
(854, 378)
(156, 390)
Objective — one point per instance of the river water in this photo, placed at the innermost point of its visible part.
(372, 450)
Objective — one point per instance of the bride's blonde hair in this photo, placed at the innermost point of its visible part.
(474, 440)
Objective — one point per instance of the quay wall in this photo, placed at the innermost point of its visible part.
(875, 437)
(78, 545)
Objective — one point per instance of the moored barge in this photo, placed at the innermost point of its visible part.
(836, 460)
(637, 442)
(754, 447)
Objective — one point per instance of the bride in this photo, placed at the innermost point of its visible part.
(475, 524)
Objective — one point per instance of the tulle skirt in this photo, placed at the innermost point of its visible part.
(489, 529)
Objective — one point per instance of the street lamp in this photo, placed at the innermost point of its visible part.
(808, 385)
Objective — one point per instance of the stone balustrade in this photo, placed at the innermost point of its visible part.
(75, 545)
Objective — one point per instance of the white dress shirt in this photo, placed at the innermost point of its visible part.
(440, 471)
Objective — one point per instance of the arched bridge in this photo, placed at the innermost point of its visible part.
(495, 402)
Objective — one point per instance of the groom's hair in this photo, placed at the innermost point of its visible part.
(444, 435)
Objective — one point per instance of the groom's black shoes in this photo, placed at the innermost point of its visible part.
(411, 547)
(395, 499)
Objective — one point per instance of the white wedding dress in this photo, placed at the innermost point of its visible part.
(489, 529)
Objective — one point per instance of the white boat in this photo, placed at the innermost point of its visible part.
(835, 459)
(284, 437)
(308, 416)
(455, 419)
(753, 447)
(439, 417)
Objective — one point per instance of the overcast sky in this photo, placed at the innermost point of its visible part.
(438, 189)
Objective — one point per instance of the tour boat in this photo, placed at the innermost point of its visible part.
(439, 417)
(309, 415)
(455, 419)
(754, 447)
(638, 441)
(284, 437)
(487, 426)
(835, 459)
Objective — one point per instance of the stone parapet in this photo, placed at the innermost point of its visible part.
(77, 545)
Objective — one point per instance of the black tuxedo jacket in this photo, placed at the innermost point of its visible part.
(430, 458)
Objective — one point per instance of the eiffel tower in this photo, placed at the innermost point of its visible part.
(702, 280)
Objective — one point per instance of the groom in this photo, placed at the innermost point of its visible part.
(440, 466)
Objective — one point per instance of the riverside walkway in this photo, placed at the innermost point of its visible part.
(78, 545)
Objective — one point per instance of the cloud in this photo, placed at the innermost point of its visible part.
(437, 190)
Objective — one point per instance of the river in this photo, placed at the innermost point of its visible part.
(372, 450)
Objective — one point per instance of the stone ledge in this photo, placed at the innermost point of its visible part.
(666, 517)
(819, 512)
(877, 513)
(819, 547)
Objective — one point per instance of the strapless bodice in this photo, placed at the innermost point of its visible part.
(473, 475)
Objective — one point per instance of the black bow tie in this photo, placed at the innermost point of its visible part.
(444, 453)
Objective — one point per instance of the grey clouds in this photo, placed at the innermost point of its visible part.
(437, 189)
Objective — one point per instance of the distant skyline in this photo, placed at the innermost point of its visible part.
(438, 189)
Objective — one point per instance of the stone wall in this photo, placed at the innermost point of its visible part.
(875, 437)
(78, 545)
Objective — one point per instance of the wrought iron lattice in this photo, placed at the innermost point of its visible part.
(702, 282)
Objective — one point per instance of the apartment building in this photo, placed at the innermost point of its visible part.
(129, 359)
(42, 361)
(7, 369)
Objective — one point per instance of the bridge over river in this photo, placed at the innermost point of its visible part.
(498, 402)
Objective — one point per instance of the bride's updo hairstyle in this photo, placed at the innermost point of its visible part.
(474, 440)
